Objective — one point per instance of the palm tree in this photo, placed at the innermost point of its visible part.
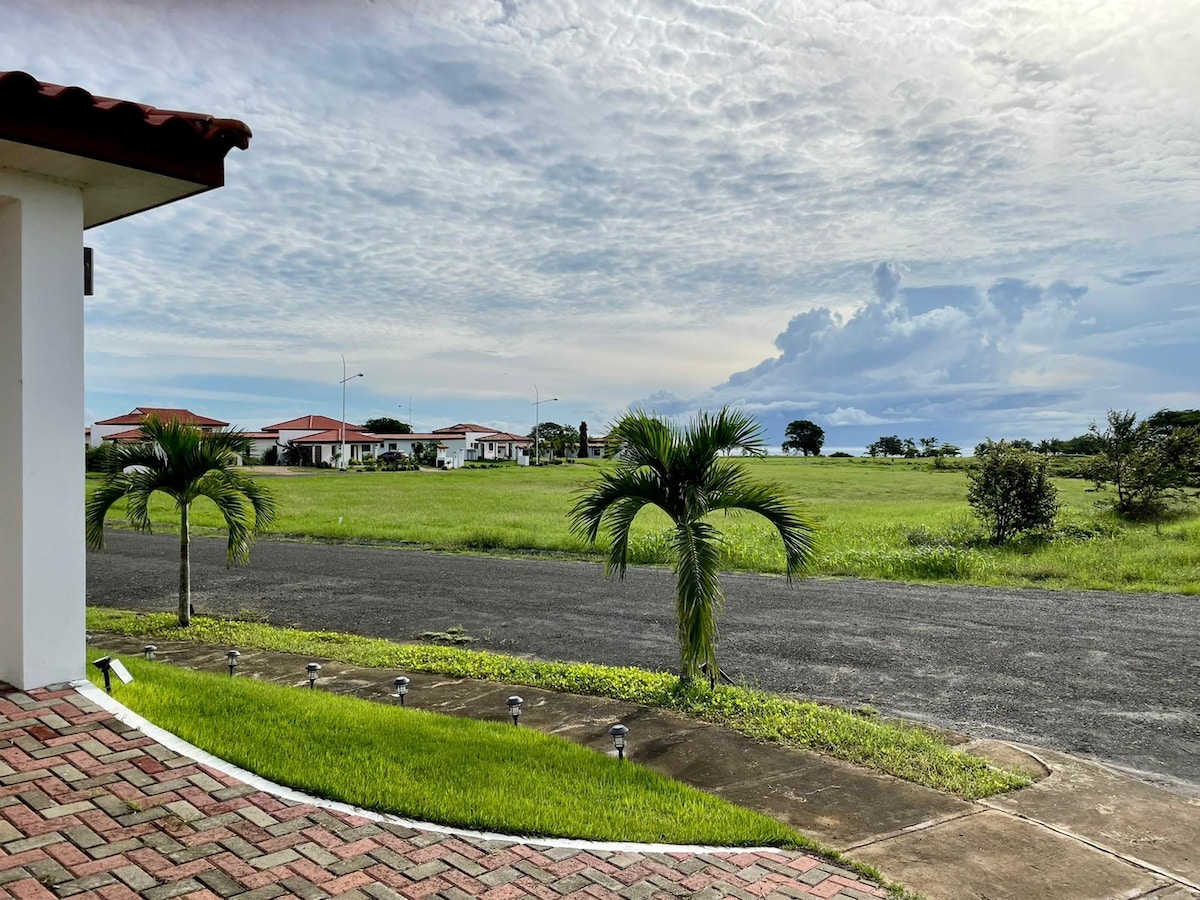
(682, 472)
(184, 463)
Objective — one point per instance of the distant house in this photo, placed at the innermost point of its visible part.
(127, 428)
(318, 439)
(597, 446)
(501, 445)
(457, 444)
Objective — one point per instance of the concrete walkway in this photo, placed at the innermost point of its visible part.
(1082, 832)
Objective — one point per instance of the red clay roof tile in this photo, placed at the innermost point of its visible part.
(186, 145)
(166, 414)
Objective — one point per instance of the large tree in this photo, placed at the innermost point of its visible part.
(889, 445)
(386, 425)
(184, 463)
(803, 436)
(555, 439)
(1150, 463)
(681, 470)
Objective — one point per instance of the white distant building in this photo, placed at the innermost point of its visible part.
(319, 439)
(457, 444)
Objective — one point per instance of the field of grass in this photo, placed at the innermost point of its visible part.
(898, 520)
(906, 752)
(481, 775)
(435, 768)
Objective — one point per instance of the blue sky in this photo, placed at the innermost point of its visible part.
(927, 218)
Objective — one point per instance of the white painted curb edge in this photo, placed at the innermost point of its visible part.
(90, 692)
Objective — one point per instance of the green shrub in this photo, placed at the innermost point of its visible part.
(1010, 491)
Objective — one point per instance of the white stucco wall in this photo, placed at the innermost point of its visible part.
(42, 567)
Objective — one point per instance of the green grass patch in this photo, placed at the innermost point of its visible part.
(899, 520)
(907, 752)
(435, 768)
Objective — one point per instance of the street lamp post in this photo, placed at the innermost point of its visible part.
(342, 458)
(537, 423)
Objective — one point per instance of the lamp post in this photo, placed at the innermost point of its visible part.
(401, 686)
(514, 707)
(618, 733)
(345, 378)
(537, 423)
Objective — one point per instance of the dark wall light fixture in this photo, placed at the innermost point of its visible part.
(514, 707)
(401, 686)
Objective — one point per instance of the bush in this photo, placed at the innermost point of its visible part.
(841, 454)
(1150, 467)
(270, 456)
(95, 459)
(1010, 491)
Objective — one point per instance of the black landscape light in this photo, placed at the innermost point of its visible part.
(109, 665)
(514, 707)
(312, 669)
(148, 651)
(401, 686)
(233, 658)
(618, 733)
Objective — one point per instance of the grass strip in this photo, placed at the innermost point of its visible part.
(905, 752)
(436, 768)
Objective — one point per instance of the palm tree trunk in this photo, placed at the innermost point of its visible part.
(697, 599)
(185, 570)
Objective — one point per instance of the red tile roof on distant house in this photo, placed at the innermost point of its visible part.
(132, 435)
(334, 436)
(504, 437)
(462, 428)
(435, 436)
(140, 413)
(184, 145)
(261, 435)
(307, 423)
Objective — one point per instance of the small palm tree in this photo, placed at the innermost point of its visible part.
(682, 472)
(184, 463)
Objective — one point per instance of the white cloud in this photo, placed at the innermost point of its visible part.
(634, 196)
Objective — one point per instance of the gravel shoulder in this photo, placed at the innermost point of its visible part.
(1113, 676)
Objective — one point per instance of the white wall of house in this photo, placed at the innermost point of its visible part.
(42, 565)
(404, 445)
(100, 432)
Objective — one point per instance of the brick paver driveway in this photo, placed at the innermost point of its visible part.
(92, 807)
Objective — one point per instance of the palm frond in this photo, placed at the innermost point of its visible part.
(645, 440)
(236, 508)
(732, 488)
(619, 495)
(98, 504)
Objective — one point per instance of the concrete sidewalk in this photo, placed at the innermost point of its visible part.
(1082, 832)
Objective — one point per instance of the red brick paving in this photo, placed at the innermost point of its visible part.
(90, 807)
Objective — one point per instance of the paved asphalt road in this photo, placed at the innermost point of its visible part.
(1116, 676)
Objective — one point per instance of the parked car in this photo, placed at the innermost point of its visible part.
(391, 456)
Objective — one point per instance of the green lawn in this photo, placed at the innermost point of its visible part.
(906, 752)
(481, 775)
(899, 520)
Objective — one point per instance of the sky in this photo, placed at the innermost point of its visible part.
(915, 218)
